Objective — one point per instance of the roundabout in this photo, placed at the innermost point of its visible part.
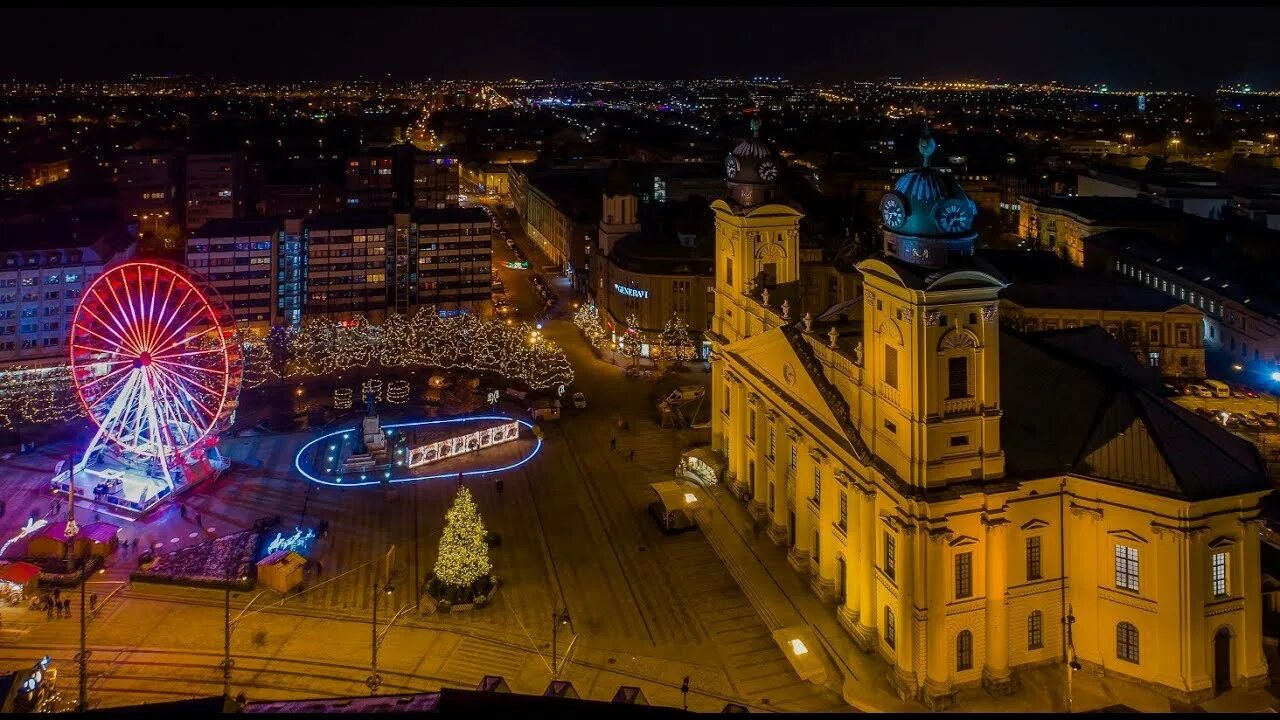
(457, 447)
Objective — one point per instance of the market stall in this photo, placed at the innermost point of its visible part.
(18, 581)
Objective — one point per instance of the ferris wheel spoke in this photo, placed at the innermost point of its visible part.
(164, 401)
(164, 337)
(164, 304)
(121, 327)
(175, 393)
(179, 397)
(109, 342)
(148, 309)
(123, 311)
(114, 329)
(114, 422)
(182, 381)
(111, 374)
(135, 313)
(175, 363)
(159, 350)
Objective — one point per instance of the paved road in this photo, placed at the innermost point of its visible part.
(646, 609)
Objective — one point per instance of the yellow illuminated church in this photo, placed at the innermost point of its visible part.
(971, 500)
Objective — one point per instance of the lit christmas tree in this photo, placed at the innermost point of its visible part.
(677, 346)
(588, 321)
(631, 340)
(464, 555)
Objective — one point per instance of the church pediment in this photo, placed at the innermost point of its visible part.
(1034, 524)
(771, 356)
(1129, 535)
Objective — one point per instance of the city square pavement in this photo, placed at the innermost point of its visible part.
(645, 609)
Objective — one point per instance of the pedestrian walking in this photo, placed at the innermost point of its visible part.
(57, 595)
(199, 519)
(613, 443)
(633, 455)
(135, 544)
(48, 611)
(499, 486)
(93, 601)
(182, 510)
(319, 569)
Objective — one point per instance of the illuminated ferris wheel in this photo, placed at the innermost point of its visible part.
(155, 363)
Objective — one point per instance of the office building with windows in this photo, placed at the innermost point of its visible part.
(238, 258)
(44, 267)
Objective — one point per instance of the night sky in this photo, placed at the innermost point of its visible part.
(1161, 47)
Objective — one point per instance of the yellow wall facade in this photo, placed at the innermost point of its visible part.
(925, 475)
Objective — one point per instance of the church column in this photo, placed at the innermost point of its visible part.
(757, 479)
(849, 610)
(903, 677)
(937, 689)
(864, 631)
(996, 677)
(1249, 645)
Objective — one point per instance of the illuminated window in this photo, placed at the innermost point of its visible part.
(1035, 630)
(773, 442)
(1218, 574)
(1126, 568)
(964, 575)
(890, 632)
(1033, 558)
(1127, 642)
(964, 650)
(794, 455)
(751, 428)
(817, 485)
(844, 510)
(888, 556)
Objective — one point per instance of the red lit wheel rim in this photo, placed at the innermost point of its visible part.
(154, 357)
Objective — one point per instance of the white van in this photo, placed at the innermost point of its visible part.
(1218, 388)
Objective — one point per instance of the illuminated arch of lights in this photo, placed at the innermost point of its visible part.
(154, 362)
(364, 478)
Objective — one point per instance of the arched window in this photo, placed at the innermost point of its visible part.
(1127, 642)
(964, 650)
(1035, 630)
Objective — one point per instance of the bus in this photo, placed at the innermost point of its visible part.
(1218, 388)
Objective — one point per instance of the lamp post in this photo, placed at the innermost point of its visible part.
(374, 681)
(82, 659)
(557, 619)
(1073, 665)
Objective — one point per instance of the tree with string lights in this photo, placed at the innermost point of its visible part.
(677, 346)
(462, 564)
(630, 340)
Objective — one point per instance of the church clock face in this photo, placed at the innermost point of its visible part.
(768, 171)
(731, 166)
(893, 210)
(953, 216)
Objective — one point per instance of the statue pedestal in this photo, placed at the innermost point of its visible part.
(375, 440)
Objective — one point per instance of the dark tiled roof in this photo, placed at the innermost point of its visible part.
(238, 227)
(1044, 280)
(1204, 260)
(64, 232)
(1102, 209)
(349, 221)
(1071, 405)
(450, 215)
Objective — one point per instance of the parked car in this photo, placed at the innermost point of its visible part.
(1200, 390)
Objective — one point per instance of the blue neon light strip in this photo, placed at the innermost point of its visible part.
(297, 459)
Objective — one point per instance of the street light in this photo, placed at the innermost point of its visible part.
(557, 619)
(375, 680)
(1073, 666)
